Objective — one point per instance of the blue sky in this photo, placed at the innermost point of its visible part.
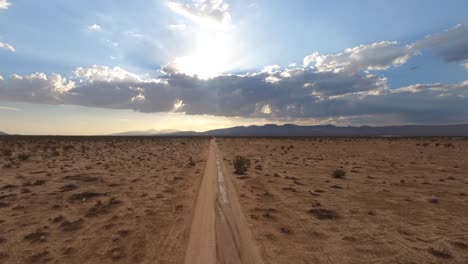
(340, 62)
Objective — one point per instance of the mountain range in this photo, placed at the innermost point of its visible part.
(290, 130)
(333, 131)
(150, 132)
(3, 133)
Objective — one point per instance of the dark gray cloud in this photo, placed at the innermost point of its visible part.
(292, 93)
(34, 88)
(451, 45)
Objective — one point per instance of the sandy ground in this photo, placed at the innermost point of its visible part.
(401, 200)
(176, 200)
(98, 200)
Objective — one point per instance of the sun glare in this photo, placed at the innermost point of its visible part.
(211, 34)
(212, 55)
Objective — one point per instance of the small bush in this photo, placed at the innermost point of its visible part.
(241, 164)
(38, 182)
(24, 156)
(449, 145)
(85, 195)
(7, 152)
(68, 226)
(191, 162)
(440, 252)
(339, 174)
(68, 187)
(35, 183)
(323, 214)
(68, 147)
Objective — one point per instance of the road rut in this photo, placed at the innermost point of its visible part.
(219, 231)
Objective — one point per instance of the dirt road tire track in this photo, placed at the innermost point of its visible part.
(202, 241)
(219, 231)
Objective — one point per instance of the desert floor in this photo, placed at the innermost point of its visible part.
(159, 200)
(401, 201)
(98, 200)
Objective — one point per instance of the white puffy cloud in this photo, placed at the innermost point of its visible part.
(95, 27)
(451, 45)
(271, 68)
(105, 74)
(138, 98)
(4, 4)
(376, 56)
(203, 10)
(7, 47)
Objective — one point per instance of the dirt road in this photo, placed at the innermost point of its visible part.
(219, 232)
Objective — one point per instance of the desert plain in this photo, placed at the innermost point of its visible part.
(302, 200)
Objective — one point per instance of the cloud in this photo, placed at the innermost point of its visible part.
(271, 68)
(4, 108)
(7, 47)
(105, 74)
(133, 34)
(338, 86)
(4, 4)
(177, 27)
(203, 10)
(95, 27)
(451, 45)
(376, 56)
(421, 103)
(112, 43)
(296, 94)
(35, 88)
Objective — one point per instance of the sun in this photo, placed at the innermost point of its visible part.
(211, 56)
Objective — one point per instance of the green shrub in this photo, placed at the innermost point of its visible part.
(241, 164)
(339, 174)
(24, 156)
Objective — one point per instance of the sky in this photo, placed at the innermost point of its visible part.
(98, 67)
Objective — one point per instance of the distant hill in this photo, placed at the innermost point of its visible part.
(334, 131)
(3, 133)
(146, 132)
